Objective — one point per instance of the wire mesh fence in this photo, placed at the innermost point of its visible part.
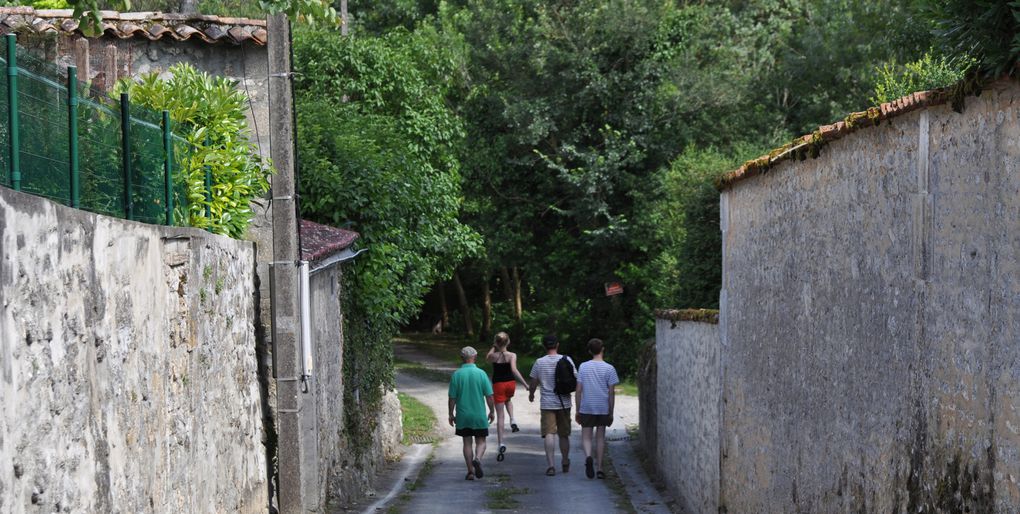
(65, 141)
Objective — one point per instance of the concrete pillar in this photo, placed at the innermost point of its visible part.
(297, 443)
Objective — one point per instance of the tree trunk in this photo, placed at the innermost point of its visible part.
(486, 309)
(464, 310)
(188, 6)
(518, 304)
(344, 19)
(444, 311)
(508, 288)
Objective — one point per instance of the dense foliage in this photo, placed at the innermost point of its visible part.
(986, 30)
(212, 112)
(580, 139)
(378, 150)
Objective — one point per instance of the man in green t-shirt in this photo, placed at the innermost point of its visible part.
(470, 391)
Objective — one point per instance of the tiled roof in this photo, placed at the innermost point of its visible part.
(810, 144)
(698, 315)
(150, 25)
(320, 241)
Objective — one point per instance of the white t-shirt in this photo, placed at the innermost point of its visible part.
(545, 371)
(595, 378)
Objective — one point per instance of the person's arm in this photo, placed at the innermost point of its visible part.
(533, 384)
(513, 367)
(488, 355)
(492, 408)
(453, 407)
(577, 400)
(612, 399)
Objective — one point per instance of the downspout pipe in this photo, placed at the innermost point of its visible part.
(307, 359)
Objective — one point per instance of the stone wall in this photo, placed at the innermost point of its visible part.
(127, 366)
(686, 394)
(869, 341)
(344, 472)
(110, 58)
(327, 336)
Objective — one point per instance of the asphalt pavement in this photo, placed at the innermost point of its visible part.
(519, 483)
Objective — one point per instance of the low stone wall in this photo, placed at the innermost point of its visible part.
(127, 366)
(684, 407)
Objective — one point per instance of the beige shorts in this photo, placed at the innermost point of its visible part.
(556, 422)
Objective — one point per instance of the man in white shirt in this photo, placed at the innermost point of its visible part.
(596, 397)
(555, 407)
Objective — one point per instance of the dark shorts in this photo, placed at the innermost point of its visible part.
(472, 432)
(596, 420)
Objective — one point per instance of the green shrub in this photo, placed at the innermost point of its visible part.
(207, 108)
(928, 72)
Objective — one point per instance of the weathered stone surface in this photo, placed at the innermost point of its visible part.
(687, 393)
(127, 366)
(868, 318)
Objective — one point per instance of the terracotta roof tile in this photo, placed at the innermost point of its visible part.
(150, 25)
(697, 315)
(810, 143)
(319, 241)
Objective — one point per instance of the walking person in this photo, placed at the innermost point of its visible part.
(557, 376)
(504, 385)
(596, 397)
(470, 392)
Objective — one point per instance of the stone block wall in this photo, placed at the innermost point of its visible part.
(869, 339)
(127, 366)
(687, 392)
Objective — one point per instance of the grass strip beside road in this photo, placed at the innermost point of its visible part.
(419, 420)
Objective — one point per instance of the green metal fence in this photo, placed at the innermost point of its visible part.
(72, 144)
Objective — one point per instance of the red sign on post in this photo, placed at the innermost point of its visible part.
(614, 288)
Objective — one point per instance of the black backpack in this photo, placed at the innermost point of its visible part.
(566, 381)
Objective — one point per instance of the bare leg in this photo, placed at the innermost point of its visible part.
(586, 440)
(479, 447)
(550, 448)
(510, 409)
(499, 422)
(565, 448)
(468, 454)
(600, 446)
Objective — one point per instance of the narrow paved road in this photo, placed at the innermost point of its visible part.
(518, 484)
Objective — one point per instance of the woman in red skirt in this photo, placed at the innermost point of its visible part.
(504, 383)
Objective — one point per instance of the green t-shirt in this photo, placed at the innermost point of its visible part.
(469, 386)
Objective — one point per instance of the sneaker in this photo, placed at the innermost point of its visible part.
(500, 456)
(589, 468)
(513, 427)
(478, 468)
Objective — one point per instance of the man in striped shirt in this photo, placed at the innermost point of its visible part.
(555, 407)
(596, 397)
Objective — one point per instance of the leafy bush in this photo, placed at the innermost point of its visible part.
(988, 30)
(928, 72)
(378, 153)
(209, 109)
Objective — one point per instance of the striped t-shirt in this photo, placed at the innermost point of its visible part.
(595, 378)
(544, 370)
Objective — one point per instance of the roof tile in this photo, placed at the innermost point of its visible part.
(320, 241)
(150, 25)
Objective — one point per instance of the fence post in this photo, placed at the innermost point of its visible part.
(208, 187)
(12, 110)
(72, 134)
(168, 155)
(125, 137)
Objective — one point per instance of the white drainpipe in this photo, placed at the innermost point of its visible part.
(307, 361)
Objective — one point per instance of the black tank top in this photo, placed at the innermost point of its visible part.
(501, 372)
